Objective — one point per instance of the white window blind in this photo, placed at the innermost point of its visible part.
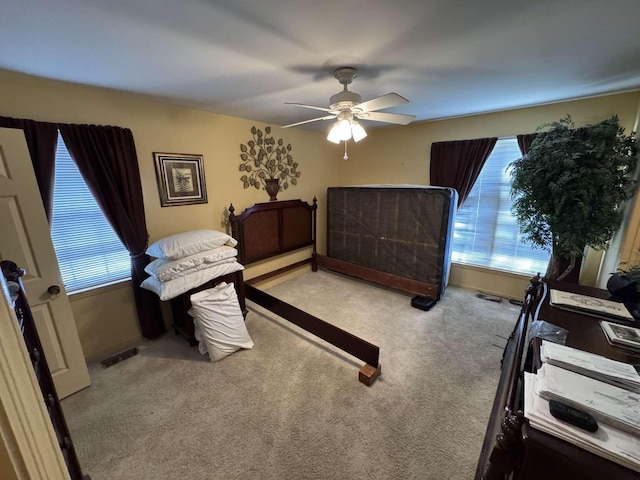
(486, 233)
(88, 250)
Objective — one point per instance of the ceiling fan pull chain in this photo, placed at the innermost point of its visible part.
(346, 157)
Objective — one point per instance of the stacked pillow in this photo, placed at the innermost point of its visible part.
(189, 259)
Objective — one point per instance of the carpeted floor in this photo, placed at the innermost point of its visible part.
(292, 407)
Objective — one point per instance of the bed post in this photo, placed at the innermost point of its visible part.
(314, 253)
(236, 231)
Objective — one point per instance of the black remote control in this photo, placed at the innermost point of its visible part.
(571, 415)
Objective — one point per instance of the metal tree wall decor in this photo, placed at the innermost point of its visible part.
(265, 158)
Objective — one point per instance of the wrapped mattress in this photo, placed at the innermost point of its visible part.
(404, 230)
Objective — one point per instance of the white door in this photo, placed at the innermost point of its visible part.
(25, 240)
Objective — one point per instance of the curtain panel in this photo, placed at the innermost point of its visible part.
(524, 141)
(107, 160)
(42, 139)
(458, 163)
(106, 157)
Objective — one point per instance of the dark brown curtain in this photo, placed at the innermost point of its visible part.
(458, 163)
(107, 160)
(41, 140)
(524, 142)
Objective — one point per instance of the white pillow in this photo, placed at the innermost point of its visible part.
(167, 269)
(203, 266)
(177, 286)
(187, 243)
(216, 313)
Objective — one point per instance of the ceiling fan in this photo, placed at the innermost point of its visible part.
(347, 108)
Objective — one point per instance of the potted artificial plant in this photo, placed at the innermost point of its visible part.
(569, 190)
(268, 163)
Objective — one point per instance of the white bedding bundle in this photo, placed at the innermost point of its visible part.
(189, 259)
(218, 321)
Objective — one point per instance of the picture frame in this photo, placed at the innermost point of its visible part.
(180, 179)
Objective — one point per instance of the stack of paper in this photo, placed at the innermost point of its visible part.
(590, 305)
(608, 442)
(606, 403)
(595, 366)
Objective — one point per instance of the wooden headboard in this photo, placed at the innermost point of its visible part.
(269, 229)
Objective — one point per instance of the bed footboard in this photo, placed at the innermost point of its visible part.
(385, 279)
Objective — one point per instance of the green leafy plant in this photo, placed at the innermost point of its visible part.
(630, 271)
(569, 189)
(264, 157)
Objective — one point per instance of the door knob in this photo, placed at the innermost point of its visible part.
(54, 291)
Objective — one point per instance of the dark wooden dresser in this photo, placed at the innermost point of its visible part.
(512, 449)
(41, 369)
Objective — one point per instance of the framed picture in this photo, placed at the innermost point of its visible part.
(621, 335)
(180, 179)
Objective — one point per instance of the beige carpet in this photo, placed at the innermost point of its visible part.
(292, 407)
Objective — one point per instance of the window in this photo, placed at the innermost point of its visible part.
(88, 250)
(486, 233)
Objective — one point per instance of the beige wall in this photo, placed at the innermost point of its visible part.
(401, 155)
(106, 319)
(7, 468)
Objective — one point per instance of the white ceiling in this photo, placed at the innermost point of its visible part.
(246, 58)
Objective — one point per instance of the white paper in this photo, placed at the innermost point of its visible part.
(591, 365)
(606, 403)
(609, 442)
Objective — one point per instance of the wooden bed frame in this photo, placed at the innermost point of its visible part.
(270, 229)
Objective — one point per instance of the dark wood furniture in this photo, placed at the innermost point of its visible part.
(512, 448)
(270, 229)
(180, 305)
(41, 369)
(398, 236)
(266, 230)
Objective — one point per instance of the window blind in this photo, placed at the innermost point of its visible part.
(88, 250)
(486, 233)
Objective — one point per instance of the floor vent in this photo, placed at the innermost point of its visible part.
(118, 357)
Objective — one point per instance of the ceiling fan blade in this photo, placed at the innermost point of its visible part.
(385, 101)
(322, 109)
(328, 117)
(397, 118)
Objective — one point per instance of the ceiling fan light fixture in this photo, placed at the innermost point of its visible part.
(341, 131)
(357, 131)
(334, 134)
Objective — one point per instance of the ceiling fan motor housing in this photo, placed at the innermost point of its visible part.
(344, 100)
